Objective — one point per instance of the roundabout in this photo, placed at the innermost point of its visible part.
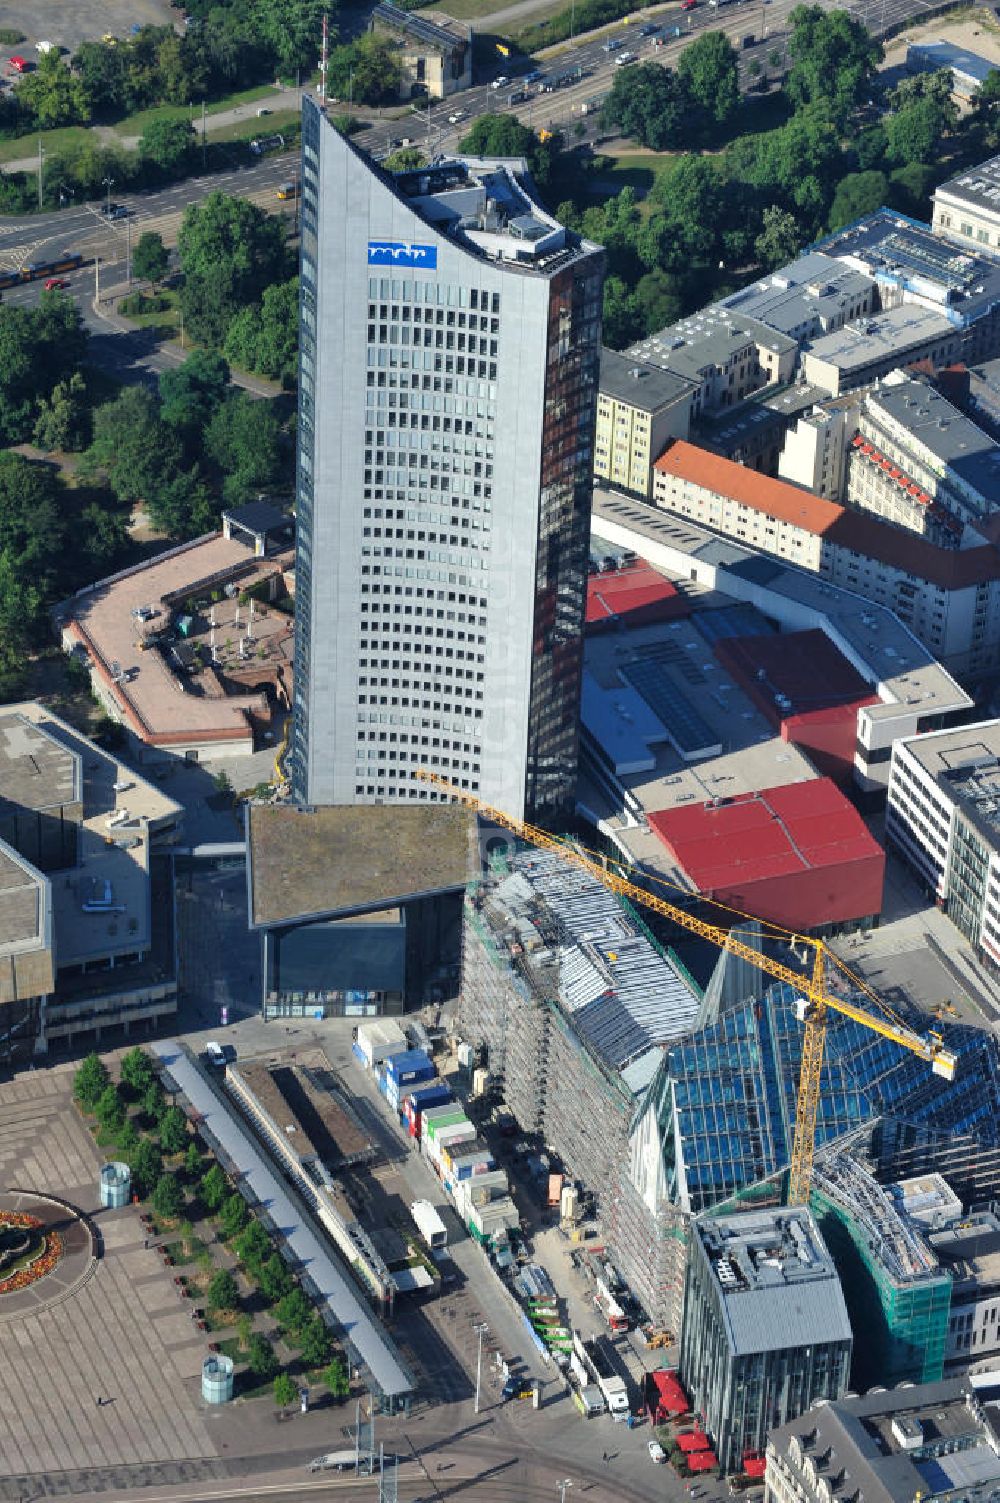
(46, 1251)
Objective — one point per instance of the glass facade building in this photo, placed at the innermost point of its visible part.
(450, 347)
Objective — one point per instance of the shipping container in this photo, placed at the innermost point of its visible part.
(379, 1039)
(430, 1225)
(409, 1067)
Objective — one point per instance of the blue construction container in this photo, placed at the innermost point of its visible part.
(406, 1069)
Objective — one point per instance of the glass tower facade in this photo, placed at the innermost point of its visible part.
(450, 346)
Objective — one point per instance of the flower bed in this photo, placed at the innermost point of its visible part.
(44, 1261)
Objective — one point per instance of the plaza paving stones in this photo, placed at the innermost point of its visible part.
(122, 1336)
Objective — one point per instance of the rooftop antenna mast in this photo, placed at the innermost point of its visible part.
(324, 52)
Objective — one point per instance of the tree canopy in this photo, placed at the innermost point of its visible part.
(707, 70)
(833, 59)
(229, 252)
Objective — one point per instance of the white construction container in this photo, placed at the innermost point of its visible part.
(430, 1225)
(378, 1040)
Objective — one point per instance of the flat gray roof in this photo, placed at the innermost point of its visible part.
(979, 186)
(23, 904)
(648, 387)
(945, 432)
(36, 772)
(706, 339)
(813, 289)
(334, 1285)
(884, 334)
(305, 861)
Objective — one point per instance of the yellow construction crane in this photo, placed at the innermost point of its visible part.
(812, 1004)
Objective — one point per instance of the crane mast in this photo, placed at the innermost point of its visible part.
(815, 996)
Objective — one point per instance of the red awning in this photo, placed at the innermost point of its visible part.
(754, 1466)
(702, 1461)
(693, 1441)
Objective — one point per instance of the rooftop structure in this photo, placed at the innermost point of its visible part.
(766, 1332)
(814, 295)
(913, 689)
(303, 862)
(725, 358)
(482, 314)
(863, 351)
(926, 1200)
(935, 1441)
(968, 69)
(270, 529)
(647, 387)
(435, 55)
(631, 596)
(304, 1102)
(138, 632)
(798, 856)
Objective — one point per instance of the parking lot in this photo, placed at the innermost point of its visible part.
(87, 21)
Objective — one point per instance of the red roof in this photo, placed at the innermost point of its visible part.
(803, 666)
(635, 591)
(949, 568)
(692, 1441)
(670, 1394)
(702, 1461)
(754, 1465)
(799, 856)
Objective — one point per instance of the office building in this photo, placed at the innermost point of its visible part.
(640, 407)
(814, 452)
(861, 352)
(935, 1441)
(724, 356)
(435, 56)
(920, 463)
(450, 348)
(943, 817)
(967, 207)
(766, 1332)
(812, 296)
(86, 891)
(950, 597)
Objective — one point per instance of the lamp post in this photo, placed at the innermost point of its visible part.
(109, 183)
(481, 1329)
(41, 158)
(562, 1486)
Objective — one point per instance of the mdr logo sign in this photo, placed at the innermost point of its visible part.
(402, 253)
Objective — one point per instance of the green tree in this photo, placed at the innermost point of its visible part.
(147, 1167)
(150, 259)
(779, 240)
(315, 1342)
(168, 1197)
(39, 347)
(914, 134)
(136, 1072)
(152, 1102)
(406, 159)
(90, 1081)
(233, 1216)
(21, 607)
(857, 194)
(285, 1390)
(128, 1140)
(368, 71)
(190, 393)
(173, 1130)
(833, 59)
(623, 319)
(498, 136)
(707, 70)
(192, 1162)
(658, 295)
(229, 251)
(102, 72)
(291, 30)
(167, 146)
(52, 95)
(253, 1246)
(223, 1291)
(293, 1311)
(274, 1278)
(337, 1378)
(910, 188)
(243, 442)
(213, 1188)
(266, 339)
(63, 420)
(133, 446)
(261, 1358)
(650, 104)
(110, 1110)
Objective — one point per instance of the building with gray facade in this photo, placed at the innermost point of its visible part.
(766, 1332)
(450, 352)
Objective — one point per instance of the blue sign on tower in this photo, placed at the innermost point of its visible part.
(402, 253)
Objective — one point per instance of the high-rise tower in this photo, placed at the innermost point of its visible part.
(450, 346)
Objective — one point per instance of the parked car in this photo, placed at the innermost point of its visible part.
(625, 57)
(648, 31)
(54, 284)
(656, 1451)
(499, 83)
(215, 1054)
(456, 117)
(516, 1388)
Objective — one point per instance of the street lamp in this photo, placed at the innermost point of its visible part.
(481, 1329)
(350, 89)
(108, 183)
(562, 1486)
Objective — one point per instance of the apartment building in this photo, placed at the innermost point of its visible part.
(921, 464)
(967, 207)
(639, 409)
(943, 817)
(860, 352)
(812, 296)
(814, 452)
(950, 599)
(725, 356)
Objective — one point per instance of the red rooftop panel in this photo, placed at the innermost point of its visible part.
(637, 595)
(799, 856)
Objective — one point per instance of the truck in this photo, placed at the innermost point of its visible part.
(430, 1225)
(597, 1362)
(609, 1307)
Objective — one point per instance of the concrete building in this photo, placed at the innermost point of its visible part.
(951, 598)
(724, 356)
(969, 1252)
(86, 896)
(943, 817)
(913, 693)
(920, 463)
(640, 407)
(766, 1332)
(968, 70)
(861, 352)
(450, 347)
(341, 935)
(967, 207)
(435, 57)
(935, 1441)
(812, 296)
(753, 434)
(190, 653)
(912, 265)
(814, 452)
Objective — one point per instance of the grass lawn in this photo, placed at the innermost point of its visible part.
(245, 130)
(166, 321)
(134, 125)
(186, 1249)
(52, 140)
